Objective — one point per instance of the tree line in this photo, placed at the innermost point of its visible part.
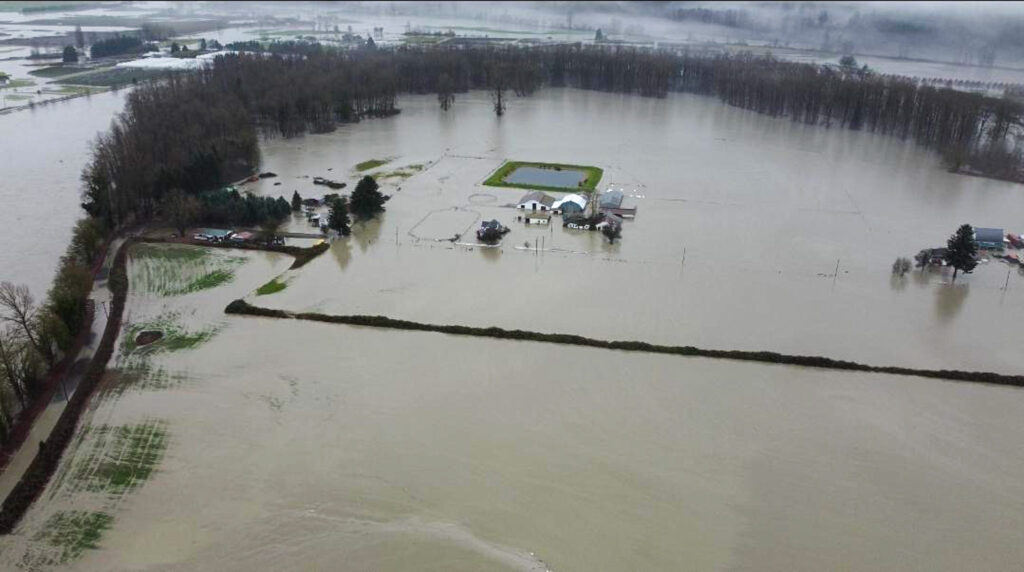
(973, 133)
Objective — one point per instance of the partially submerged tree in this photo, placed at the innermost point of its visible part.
(296, 201)
(70, 55)
(338, 216)
(445, 91)
(612, 232)
(366, 199)
(901, 266)
(961, 250)
(922, 258)
(498, 84)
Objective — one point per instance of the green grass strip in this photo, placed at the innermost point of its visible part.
(243, 307)
(497, 178)
(371, 164)
(272, 287)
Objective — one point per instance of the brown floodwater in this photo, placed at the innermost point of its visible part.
(298, 445)
(42, 153)
(295, 445)
(741, 222)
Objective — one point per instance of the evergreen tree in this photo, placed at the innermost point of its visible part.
(79, 37)
(296, 201)
(366, 199)
(175, 48)
(961, 250)
(70, 55)
(338, 216)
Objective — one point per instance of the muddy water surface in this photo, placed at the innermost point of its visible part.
(246, 443)
(42, 154)
(742, 221)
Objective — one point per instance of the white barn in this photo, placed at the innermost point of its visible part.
(536, 201)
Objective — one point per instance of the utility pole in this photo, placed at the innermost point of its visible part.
(835, 274)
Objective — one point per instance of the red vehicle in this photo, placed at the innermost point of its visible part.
(1015, 240)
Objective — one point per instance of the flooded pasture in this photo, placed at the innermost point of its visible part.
(285, 444)
(741, 223)
(235, 443)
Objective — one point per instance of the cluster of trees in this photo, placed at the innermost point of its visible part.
(34, 336)
(183, 133)
(116, 46)
(223, 207)
(971, 131)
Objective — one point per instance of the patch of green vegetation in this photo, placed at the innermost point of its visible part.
(136, 374)
(272, 287)
(73, 532)
(122, 457)
(176, 253)
(589, 183)
(108, 77)
(18, 97)
(371, 164)
(174, 270)
(54, 71)
(18, 83)
(402, 173)
(174, 337)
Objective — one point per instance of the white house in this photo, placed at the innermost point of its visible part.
(535, 201)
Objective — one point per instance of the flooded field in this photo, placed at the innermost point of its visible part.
(741, 222)
(239, 443)
(255, 443)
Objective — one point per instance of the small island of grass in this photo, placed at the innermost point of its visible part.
(271, 287)
(553, 177)
(371, 164)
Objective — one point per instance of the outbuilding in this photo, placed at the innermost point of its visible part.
(570, 204)
(536, 217)
(536, 201)
(611, 199)
(989, 238)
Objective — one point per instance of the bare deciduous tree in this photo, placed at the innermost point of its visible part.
(18, 307)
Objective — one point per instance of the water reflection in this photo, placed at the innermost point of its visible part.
(341, 249)
(949, 300)
(367, 232)
(898, 283)
(490, 254)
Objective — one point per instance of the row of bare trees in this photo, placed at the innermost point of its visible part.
(973, 132)
(34, 336)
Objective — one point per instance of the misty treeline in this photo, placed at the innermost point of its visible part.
(973, 133)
